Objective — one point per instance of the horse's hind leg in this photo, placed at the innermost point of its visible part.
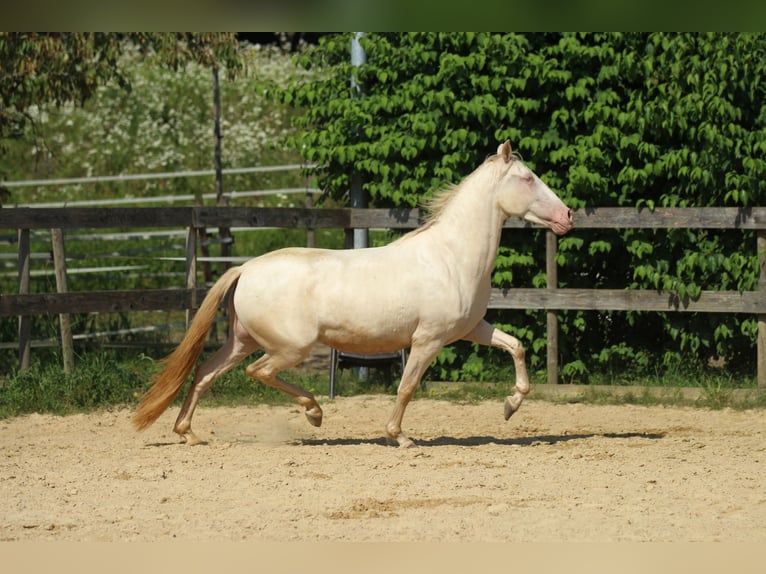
(486, 334)
(266, 368)
(238, 346)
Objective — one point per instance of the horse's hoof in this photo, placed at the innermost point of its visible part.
(508, 408)
(400, 440)
(314, 416)
(405, 442)
(191, 439)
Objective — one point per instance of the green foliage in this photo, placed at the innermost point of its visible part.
(60, 68)
(107, 379)
(164, 123)
(639, 120)
(97, 382)
(608, 119)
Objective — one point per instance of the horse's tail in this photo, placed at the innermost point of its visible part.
(180, 363)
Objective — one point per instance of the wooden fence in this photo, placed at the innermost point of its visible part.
(551, 298)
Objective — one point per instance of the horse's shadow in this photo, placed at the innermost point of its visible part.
(471, 441)
(538, 440)
(159, 444)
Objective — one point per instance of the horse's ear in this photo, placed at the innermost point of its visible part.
(504, 150)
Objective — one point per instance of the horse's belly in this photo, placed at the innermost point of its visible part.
(373, 326)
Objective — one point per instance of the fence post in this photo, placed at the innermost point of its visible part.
(25, 321)
(59, 267)
(552, 322)
(761, 347)
(191, 271)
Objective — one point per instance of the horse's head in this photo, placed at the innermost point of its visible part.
(523, 194)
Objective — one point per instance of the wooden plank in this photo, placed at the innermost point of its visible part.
(666, 218)
(562, 299)
(627, 300)
(594, 218)
(399, 218)
(292, 217)
(94, 217)
(99, 301)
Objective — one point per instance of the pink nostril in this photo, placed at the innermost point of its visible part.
(569, 214)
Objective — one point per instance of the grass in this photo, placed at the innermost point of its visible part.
(95, 383)
(103, 380)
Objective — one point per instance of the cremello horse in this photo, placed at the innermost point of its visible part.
(425, 290)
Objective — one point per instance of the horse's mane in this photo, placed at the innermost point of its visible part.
(433, 206)
(436, 203)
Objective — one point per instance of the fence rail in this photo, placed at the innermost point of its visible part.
(551, 298)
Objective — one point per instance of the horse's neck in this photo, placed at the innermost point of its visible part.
(469, 229)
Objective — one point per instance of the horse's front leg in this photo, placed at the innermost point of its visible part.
(419, 359)
(486, 334)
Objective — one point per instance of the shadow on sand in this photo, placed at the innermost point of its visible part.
(482, 440)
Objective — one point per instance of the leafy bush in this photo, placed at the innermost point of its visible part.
(606, 119)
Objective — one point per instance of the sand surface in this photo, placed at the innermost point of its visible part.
(553, 472)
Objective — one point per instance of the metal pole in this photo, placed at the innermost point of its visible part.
(358, 57)
(356, 193)
(310, 234)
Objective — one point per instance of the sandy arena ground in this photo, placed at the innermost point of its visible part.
(552, 473)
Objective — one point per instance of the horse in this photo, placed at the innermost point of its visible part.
(425, 290)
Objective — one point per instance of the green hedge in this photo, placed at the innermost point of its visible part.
(606, 119)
